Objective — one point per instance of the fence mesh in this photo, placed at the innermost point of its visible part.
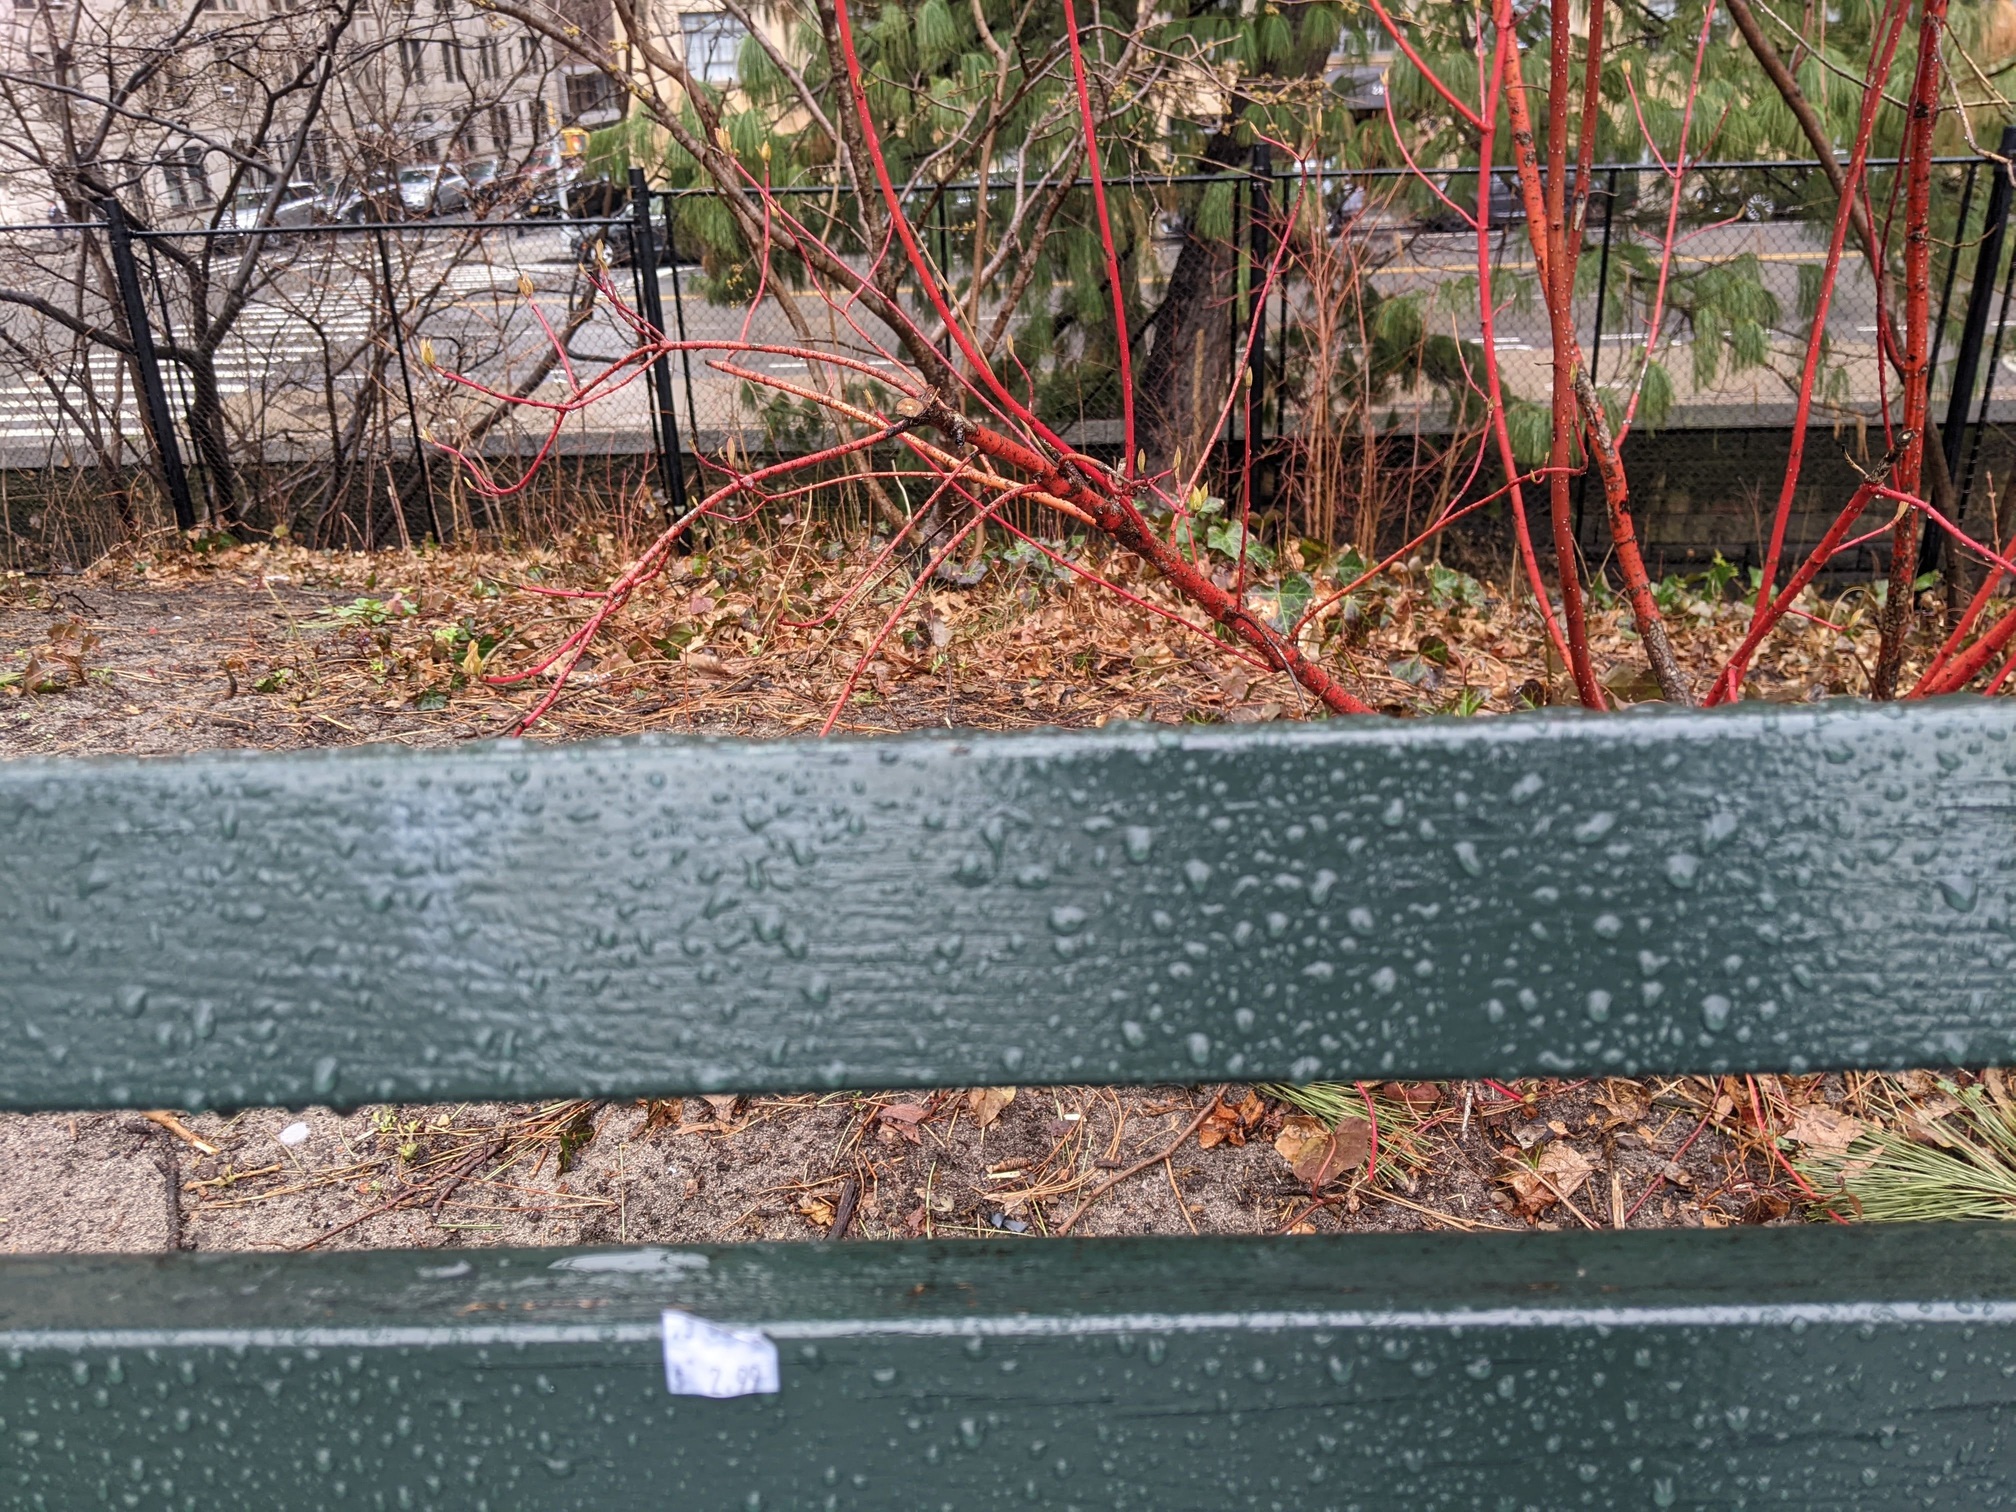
(302, 369)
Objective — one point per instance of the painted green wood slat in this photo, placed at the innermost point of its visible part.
(1756, 889)
(1869, 1368)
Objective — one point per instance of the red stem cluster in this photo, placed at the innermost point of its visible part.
(983, 446)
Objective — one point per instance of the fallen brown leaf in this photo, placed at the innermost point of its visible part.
(1926, 1123)
(1319, 1155)
(1993, 1079)
(1230, 1124)
(817, 1211)
(987, 1103)
(1558, 1173)
(1820, 1127)
(1565, 1166)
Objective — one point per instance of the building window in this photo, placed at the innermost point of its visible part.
(589, 94)
(187, 180)
(530, 51)
(500, 128)
(486, 58)
(713, 41)
(413, 60)
(451, 63)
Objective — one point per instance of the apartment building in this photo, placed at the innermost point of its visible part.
(173, 107)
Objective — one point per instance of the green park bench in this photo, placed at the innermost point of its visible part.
(1770, 888)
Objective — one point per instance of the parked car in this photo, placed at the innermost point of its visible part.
(530, 191)
(616, 237)
(438, 189)
(490, 186)
(298, 207)
(1461, 188)
(375, 199)
(541, 187)
(1508, 204)
(1346, 200)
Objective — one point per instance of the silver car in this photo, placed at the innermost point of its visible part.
(297, 208)
(437, 190)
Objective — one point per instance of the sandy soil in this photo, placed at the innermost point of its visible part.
(781, 1168)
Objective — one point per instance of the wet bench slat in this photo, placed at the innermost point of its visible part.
(1751, 890)
(1820, 1367)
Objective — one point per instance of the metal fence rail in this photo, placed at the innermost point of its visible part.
(295, 375)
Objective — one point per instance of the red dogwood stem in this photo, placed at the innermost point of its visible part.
(1105, 235)
(1889, 33)
(1915, 377)
(1543, 226)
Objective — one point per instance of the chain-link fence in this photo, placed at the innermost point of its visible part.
(298, 373)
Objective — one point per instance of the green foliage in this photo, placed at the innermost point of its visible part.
(1698, 594)
(1655, 396)
(1213, 217)
(937, 36)
(1449, 589)
(1531, 427)
(933, 86)
(1284, 605)
(1235, 539)
(361, 613)
(1227, 537)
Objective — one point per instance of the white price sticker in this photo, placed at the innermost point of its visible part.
(704, 1359)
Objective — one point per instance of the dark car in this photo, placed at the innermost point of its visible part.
(1461, 188)
(497, 189)
(599, 212)
(1508, 204)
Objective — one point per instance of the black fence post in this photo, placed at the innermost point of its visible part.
(1260, 254)
(397, 328)
(644, 254)
(1974, 326)
(1966, 485)
(1946, 285)
(679, 317)
(1288, 186)
(1596, 334)
(945, 265)
(167, 449)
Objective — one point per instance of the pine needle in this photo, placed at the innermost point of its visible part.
(1887, 1176)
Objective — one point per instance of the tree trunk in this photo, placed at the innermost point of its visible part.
(1182, 378)
(213, 447)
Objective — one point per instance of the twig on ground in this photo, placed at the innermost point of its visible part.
(843, 1209)
(1139, 1166)
(180, 1130)
(461, 1170)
